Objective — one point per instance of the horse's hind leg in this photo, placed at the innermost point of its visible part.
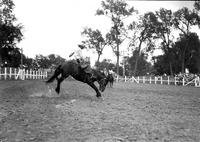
(56, 73)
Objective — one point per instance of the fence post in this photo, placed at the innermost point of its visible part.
(22, 74)
(175, 80)
(150, 80)
(43, 75)
(5, 73)
(197, 82)
(168, 80)
(155, 78)
(117, 78)
(36, 74)
(134, 79)
(183, 81)
(0, 73)
(10, 75)
(143, 78)
(124, 78)
(39, 74)
(30, 73)
(26, 74)
(161, 80)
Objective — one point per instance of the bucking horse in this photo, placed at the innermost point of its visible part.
(73, 68)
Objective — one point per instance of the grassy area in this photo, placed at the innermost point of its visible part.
(29, 111)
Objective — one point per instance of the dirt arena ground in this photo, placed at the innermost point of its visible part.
(130, 112)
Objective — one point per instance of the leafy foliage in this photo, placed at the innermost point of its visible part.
(94, 40)
(10, 33)
(117, 11)
(144, 66)
(187, 47)
(105, 64)
(145, 31)
(50, 61)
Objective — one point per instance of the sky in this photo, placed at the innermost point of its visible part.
(55, 26)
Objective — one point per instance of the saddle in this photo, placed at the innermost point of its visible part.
(84, 67)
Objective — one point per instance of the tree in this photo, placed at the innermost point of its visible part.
(144, 66)
(145, 33)
(10, 33)
(197, 5)
(192, 56)
(161, 64)
(28, 62)
(42, 61)
(117, 11)
(94, 40)
(163, 31)
(191, 53)
(183, 20)
(55, 60)
(197, 10)
(105, 64)
(50, 61)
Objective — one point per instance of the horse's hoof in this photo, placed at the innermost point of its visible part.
(57, 91)
(101, 98)
(98, 96)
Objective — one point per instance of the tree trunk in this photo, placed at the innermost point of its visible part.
(118, 58)
(170, 67)
(98, 58)
(136, 64)
(183, 64)
(183, 60)
(1, 62)
(137, 58)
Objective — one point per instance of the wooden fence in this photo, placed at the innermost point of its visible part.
(22, 74)
(160, 80)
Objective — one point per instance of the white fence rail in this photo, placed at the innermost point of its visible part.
(14, 73)
(160, 80)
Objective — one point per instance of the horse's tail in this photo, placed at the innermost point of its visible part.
(56, 73)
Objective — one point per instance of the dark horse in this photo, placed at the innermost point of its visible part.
(77, 72)
(110, 79)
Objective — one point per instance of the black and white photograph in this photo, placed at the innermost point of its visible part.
(99, 71)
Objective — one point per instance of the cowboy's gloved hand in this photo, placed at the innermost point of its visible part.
(81, 46)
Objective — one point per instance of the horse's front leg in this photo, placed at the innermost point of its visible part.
(59, 80)
(111, 84)
(91, 84)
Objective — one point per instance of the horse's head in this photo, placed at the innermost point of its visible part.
(102, 84)
(103, 81)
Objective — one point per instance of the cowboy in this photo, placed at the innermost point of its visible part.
(78, 56)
